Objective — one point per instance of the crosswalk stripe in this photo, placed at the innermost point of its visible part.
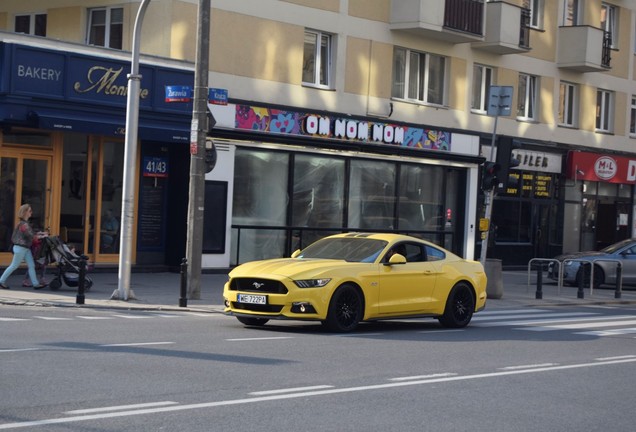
(479, 318)
(93, 317)
(14, 319)
(132, 316)
(584, 325)
(542, 320)
(53, 318)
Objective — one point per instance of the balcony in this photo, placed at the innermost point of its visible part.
(507, 29)
(454, 21)
(583, 49)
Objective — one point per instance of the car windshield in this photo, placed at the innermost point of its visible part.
(348, 249)
(616, 246)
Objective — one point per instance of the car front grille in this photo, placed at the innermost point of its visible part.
(257, 307)
(255, 285)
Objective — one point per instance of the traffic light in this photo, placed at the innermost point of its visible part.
(507, 160)
(490, 176)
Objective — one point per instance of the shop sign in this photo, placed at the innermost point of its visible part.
(603, 168)
(289, 122)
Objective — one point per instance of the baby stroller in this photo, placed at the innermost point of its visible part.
(67, 264)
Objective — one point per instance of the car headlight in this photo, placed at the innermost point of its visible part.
(312, 283)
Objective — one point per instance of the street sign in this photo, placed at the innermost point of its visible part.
(217, 96)
(178, 93)
(500, 100)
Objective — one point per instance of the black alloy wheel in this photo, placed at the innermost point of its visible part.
(460, 307)
(345, 310)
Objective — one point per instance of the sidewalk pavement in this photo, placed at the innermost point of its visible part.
(161, 291)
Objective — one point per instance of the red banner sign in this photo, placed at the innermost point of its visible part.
(601, 167)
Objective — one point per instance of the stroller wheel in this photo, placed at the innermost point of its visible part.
(88, 283)
(55, 284)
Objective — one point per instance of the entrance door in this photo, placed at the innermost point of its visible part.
(25, 179)
(541, 226)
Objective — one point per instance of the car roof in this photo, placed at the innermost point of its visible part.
(389, 237)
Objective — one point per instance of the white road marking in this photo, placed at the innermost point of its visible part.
(615, 358)
(582, 325)
(616, 332)
(480, 319)
(15, 319)
(442, 331)
(304, 394)
(548, 321)
(132, 316)
(121, 407)
(540, 365)
(289, 390)
(259, 339)
(510, 312)
(420, 377)
(94, 317)
(53, 318)
(20, 349)
(137, 344)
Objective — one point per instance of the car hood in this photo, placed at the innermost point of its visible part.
(293, 268)
(575, 255)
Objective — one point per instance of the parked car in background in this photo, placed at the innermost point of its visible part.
(344, 279)
(605, 263)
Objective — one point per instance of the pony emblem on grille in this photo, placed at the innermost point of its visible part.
(258, 285)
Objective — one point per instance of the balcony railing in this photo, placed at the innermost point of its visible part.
(606, 57)
(465, 15)
(524, 31)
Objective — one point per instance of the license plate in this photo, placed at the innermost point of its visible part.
(252, 299)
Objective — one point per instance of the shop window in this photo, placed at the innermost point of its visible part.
(317, 58)
(568, 103)
(33, 24)
(214, 217)
(527, 97)
(105, 27)
(419, 76)
(609, 20)
(604, 104)
(511, 221)
(420, 207)
(372, 195)
(482, 80)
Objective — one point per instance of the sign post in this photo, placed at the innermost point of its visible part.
(499, 102)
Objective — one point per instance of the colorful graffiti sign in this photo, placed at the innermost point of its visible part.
(278, 121)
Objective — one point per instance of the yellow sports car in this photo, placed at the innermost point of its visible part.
(344, 279)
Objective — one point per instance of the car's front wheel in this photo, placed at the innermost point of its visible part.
(345, 310)
(460, 307)
(252, 321)
(599, 276)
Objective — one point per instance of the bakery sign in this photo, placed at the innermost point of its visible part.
(600, 167)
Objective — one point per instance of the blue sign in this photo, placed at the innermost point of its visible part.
(217, 96)
(155, 166)
(178, 93)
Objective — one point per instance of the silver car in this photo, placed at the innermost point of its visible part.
(605, 264)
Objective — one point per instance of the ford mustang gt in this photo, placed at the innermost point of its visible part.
(344, 279)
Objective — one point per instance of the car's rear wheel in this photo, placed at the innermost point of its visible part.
(252, 321)
(345, 310)
(460, 307)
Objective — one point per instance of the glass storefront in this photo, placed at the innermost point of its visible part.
(285, 200)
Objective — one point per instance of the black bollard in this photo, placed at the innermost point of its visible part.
(81, 280)
(619, 281)
(183, 299)
(583, 270)
(539, 293)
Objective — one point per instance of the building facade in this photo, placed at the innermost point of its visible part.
(341, 115)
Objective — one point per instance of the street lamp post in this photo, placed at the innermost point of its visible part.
(123, 291)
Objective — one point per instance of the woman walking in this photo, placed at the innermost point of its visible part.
(22, 239)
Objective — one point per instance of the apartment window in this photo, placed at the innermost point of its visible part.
(317, 58)
(105, 27)
(527, 97)
(33, 24)
(571, 12)
(418, 76)
(609, 18)
(604, 101)
(536, 12)
(567, 104)
(632, 118)
(482, 80)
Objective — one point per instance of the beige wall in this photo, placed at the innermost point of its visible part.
(375, 10)
(458, 84)
(622, 56)
(368, 68)
(543, 42)
(184, 32)
(546, 112)
(620, 118)
(4, 21)
(587, 113)
(68, 24)
(256, 48)
(329, 5)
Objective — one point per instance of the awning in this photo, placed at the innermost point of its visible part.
(150, 129)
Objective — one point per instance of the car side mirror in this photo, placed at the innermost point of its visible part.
(396, 259)
(296, 253)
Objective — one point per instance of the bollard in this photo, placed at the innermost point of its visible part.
(539, 293)
(183, 299)
(81, 280)
(619, 281)
(580, 293)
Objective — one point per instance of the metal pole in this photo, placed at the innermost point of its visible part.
(490, 195)
(198, 134)
(123, 291)
(81, 280)
(183, 289)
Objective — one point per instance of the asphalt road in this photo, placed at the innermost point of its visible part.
(561, 368)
